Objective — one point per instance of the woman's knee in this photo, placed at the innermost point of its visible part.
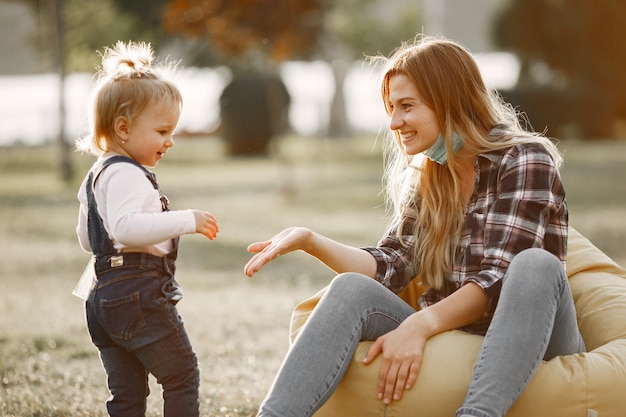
(351, 281)
(536, 259)
(536, 266)
(353, 287)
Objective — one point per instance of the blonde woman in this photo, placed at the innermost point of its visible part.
(478, 215)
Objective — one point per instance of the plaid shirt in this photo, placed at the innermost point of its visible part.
(518, 203)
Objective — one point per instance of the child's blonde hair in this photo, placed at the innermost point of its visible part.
(126, 84)
(449, 82)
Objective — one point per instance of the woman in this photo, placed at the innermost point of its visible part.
(479, 216)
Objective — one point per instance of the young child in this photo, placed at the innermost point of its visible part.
(125, 222)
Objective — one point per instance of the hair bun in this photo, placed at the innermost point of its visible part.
(127, 60)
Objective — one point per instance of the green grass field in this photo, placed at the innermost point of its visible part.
(238, 326)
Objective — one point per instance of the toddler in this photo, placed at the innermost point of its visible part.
(124, 220)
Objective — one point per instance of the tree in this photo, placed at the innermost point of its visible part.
(261, 30)
(572, 60)
(90, 25)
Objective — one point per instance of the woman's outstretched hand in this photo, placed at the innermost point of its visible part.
(291, 239)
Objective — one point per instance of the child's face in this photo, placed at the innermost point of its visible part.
(149, 135)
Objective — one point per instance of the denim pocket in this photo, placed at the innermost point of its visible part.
(122, 317)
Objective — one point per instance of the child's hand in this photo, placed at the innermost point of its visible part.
(206, 224)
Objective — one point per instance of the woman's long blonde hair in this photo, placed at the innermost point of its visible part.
(126, 83)
(449, 82)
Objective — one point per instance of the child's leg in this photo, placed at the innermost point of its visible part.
(175, 366)
(127, 378)
(535, 319)
(354, 308)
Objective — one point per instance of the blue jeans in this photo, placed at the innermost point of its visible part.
(137, 329)
(535, 296)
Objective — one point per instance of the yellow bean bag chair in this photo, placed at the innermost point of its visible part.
(583, 385)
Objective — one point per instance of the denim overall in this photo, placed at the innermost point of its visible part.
(133, 321)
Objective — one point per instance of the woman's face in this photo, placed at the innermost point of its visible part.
(415, 122)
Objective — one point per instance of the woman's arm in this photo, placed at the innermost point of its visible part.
(337, 256)
(528, 211)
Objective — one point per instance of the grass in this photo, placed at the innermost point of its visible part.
(238, 326)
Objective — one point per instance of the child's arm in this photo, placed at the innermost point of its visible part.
(132, 209)
(81, 224)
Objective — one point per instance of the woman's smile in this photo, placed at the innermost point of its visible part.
(408, 137)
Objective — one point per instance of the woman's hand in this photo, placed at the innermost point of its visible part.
(206, 224)
(291, 239)
(402, 350)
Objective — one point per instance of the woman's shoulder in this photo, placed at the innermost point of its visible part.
(525, 150)
(529, 157)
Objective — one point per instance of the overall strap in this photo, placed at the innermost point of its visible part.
(150, 175)
(99, 239)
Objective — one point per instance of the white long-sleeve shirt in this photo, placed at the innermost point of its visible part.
(130, 208)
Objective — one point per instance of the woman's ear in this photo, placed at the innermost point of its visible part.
(122, 128)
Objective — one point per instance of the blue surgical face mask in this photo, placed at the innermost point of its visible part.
(437, 152)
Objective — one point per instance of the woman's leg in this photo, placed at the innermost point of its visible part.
(535, 319)
(354, 308)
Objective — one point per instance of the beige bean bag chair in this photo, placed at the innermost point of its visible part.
(583, 385)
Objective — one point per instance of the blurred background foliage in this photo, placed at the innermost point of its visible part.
(249, 29)
(256, 31)
(251, 37)
(571, 61)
